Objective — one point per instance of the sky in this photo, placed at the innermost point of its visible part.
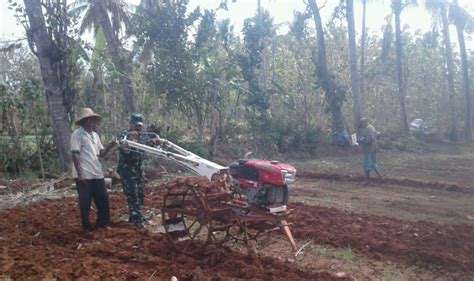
(282, 12)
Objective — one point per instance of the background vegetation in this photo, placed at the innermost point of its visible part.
(218, 91)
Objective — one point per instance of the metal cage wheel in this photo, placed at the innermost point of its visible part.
(189, 222)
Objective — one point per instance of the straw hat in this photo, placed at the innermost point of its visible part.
(86, 113)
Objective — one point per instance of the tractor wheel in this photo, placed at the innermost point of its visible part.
(192, 217)
(246, 232)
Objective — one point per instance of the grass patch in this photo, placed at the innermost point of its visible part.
(300, 270)
(316, 250)
(323, 252)
(346, 254)
(387, 277)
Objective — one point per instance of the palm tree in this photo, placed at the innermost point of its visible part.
(356, 104)
(460, 19)
(51, 56)
(397, 8)
(439, 10)
(120, 10)
(362, 54)
(96, 15)
(334, 93)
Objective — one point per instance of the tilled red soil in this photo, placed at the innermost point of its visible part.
(400, 182)
(44, 241)
(447, 248)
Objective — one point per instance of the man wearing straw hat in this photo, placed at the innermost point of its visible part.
(86, 149)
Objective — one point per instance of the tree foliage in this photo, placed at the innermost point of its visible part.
(265, 88)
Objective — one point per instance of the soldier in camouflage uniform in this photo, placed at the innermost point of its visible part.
(130, 169)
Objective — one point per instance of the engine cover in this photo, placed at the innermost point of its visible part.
(267, 195)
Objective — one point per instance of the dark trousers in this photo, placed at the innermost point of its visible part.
(93, 189)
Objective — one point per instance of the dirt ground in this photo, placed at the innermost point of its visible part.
(443, 163)
(417, 224)
(44, 241)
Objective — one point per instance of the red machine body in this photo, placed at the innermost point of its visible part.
(254, 173)
(265, 183)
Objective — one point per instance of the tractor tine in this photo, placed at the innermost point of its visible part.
(286, 230)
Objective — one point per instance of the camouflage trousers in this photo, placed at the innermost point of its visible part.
(133, 189)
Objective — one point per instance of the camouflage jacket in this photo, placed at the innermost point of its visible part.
(131, 160)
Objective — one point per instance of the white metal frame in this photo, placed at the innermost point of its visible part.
(175, 153)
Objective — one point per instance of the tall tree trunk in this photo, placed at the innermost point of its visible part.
(452, 131)
(115, 50)
(401, 83)
(40, 156)
(356, 104)
(465, 81)
(264, 60)
(42, 45)
(362, 55)
(333, 93)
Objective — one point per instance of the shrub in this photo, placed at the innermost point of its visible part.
(193, 145)
(295, 137)
(14, 156)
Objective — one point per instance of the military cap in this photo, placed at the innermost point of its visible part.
(137, 119)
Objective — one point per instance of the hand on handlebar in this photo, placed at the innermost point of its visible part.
(155, 141)
(133, 136)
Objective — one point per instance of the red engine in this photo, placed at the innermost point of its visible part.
(264, 183)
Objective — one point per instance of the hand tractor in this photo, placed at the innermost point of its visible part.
(241, 202)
